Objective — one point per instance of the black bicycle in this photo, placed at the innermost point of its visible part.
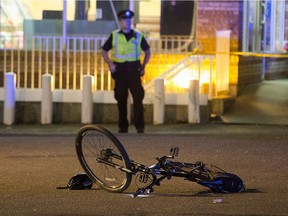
(106, 162)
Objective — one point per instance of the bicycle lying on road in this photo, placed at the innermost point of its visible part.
(106, 162)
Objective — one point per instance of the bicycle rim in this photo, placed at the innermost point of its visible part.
(92, 144)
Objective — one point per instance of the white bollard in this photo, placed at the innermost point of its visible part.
(193, 102)
(203, 99)
(9, 98)
(87, 100)
(159, 102)
(46, 101)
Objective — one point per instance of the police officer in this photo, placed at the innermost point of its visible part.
(126, 45)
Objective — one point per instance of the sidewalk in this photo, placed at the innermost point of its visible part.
(262, 103)
(180, 129)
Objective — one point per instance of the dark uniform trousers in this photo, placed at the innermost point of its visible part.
(127, 77)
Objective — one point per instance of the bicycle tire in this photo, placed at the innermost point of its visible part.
(91, 142)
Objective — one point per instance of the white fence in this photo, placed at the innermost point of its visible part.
(69, 59)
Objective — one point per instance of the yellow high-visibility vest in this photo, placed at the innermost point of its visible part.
(126, 51)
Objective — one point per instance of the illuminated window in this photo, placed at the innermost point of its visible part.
(263, 26)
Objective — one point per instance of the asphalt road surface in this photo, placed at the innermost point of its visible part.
(33, 166)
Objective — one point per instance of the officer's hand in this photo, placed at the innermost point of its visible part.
(142, 70)
(112, 68)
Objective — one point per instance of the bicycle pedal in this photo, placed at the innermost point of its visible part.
(174, 151)
(150, 190)
(138, 192)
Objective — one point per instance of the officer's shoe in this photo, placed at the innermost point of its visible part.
(123, 130)
(140, 130)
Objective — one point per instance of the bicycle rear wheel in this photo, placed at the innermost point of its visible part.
(103, 158)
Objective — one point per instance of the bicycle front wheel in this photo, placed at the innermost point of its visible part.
(103, 158)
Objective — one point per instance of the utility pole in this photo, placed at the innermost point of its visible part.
(0, 23)
(64, 23)
(131, 5)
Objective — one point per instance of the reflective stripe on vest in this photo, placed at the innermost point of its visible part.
(124, 50)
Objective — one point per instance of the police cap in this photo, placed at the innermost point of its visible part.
(125, 14)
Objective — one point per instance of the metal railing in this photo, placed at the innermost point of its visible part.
(194, 67)
(69, 59)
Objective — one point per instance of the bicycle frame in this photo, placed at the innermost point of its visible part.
(164, 168)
